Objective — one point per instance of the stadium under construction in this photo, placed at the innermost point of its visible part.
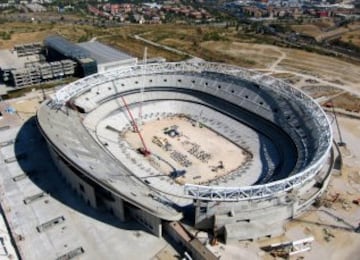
(135, 140)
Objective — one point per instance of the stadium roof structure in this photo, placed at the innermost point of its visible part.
(103, 53)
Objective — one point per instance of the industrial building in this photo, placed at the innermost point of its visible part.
(107, 58)
(10, 62)
(58, 48)
(34, 63)
(26, 65)
(42, 72)
(91, 56)
(28, 49)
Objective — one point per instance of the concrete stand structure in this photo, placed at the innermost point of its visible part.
(287, 133)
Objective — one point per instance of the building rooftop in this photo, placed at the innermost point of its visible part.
(65, 47)
(103, 53)
(10, 60)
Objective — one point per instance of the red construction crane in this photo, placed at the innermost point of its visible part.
(144, 150)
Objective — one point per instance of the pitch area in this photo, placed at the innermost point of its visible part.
(187, 150)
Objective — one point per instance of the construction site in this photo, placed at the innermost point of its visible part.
(187, 150)
(184, 149)
(25, 66)
(56, 58)
(161, 157)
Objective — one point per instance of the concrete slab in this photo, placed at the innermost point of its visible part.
(10, 60)
(98, 234)
(3, 89)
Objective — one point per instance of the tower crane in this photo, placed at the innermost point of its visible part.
(143, 150)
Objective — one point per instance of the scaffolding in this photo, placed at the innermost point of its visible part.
(28, 49)
(39, 72)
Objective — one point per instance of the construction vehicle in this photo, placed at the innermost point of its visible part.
(172, 131)
(220, 166)
(156, 140)
(289, 248)
(162, 143)
(356, 201)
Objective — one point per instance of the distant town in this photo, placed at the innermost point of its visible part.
(200, 11)
(326, 27)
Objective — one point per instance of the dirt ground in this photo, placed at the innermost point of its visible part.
(348, 102)
(195, 150)
(26, 108)
(8, 119)
(352, 37)
(262, 56)
(297, 67)
(323, 67)
(277, 60)
(317, 91)
(307, 29)
(27, 32)
(318, 75)
(22, 109)
(327, 29)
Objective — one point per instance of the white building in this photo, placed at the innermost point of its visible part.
(107, 58)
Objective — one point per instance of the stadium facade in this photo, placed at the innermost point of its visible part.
(287, 133)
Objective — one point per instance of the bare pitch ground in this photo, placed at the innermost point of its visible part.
(196, 154)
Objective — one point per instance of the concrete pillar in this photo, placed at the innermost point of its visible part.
(150, 222)
(118, 209)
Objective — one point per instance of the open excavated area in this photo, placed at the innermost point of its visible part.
(188, 150)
